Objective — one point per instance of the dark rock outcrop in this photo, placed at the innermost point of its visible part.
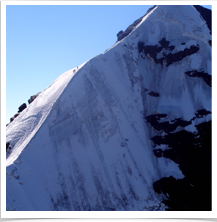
(193, 152)
(119, 34)
(166, 126)
(154, 94)
(181, 195)
(171, 58)
(151, 52)
(8, 147)
(202, 112)
(205, 76)
(206, 15)
(22, 107)
(11, 119)
(158, 152)
(16, 115)
(32, 98)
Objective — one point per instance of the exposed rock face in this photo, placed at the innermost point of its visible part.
(22, 107)
(119, 34)
(153, 52)
(16, 115)
(153, 94)
(202, 112)
(192, 151)
(206, 14)
(8, 147)
(11, 119)
(205, 76)
(166, 126)
(32, 98)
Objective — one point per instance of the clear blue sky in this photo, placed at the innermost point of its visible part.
(42, 42)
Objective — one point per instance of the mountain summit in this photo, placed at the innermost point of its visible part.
(117, 131)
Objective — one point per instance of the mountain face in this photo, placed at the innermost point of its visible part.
(128, 130)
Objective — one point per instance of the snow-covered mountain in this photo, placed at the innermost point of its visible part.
(101, 136)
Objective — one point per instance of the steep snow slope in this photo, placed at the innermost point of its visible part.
(85, 142)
